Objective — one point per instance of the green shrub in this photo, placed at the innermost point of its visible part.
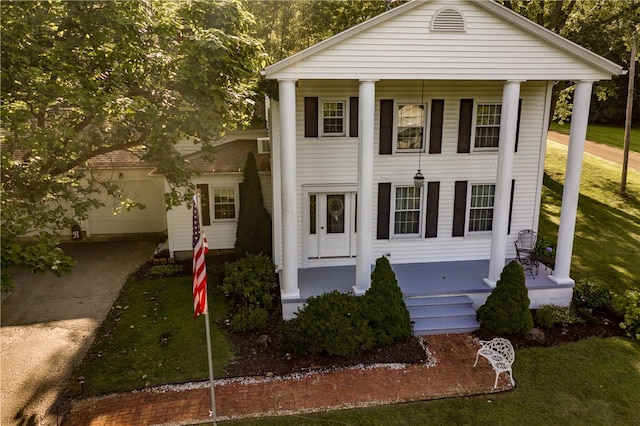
(250, 282)
(158, 271)
(249, 318)
(384, 307)
(253, 233)
(544, 246)
(506, 310)
(591, 294)
(549, 315)
(333, 323)
(629, 306)
(292, 338)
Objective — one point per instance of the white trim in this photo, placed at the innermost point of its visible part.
(321, 117)
(425, 129)
(392, 215)
(474, 122)
(468, 231)
(212, 201)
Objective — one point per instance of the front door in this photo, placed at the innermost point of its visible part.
(333, 221)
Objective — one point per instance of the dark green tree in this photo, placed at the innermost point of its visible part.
(506, 310)
(82, 79)
(384, 307)
(253, 234)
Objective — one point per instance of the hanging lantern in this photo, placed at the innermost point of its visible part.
(418, 180)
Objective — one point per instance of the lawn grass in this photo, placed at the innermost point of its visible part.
(609, 135)
(572, 384)
(607, 236)
(150, 337)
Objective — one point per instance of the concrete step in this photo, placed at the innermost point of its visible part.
(441, 314)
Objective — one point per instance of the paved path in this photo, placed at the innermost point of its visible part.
(599, 149)
(452, 374)
(48, 324)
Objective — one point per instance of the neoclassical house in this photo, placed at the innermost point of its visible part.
(458, 90)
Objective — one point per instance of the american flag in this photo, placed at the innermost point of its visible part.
(200, 248)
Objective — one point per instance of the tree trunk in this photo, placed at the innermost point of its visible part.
(627, 123)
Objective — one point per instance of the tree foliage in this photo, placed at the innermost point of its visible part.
(253, 233)
(82, 79)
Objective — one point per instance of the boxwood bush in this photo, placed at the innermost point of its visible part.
(506, 310)
(629, 306)
(549, 315)
(591, 294)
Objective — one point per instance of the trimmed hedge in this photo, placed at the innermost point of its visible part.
(506, 310)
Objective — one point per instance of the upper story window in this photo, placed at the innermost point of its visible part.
(411, 123)
(407, 211)
(333, 118)
(487, 125)
(481, 207)
(224, 203)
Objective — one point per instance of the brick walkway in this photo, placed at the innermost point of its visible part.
(452, 375)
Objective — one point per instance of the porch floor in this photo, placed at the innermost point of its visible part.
(417, 279)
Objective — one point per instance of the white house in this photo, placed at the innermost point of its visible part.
(458, 90)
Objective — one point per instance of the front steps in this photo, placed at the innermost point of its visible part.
(441, 314)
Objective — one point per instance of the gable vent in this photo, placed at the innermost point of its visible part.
(448, 20)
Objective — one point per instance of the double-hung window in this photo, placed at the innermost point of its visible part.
(487, 125)
(411, 124)
(333, 118)
(224, 203)
(481, 207)
(407, 211)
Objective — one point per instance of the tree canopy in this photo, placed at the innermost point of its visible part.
(82, 79)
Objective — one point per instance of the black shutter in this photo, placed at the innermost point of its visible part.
(518, 126)
(459, 208)
(435, 133)
(465, 125)
(513, 187)
(433, 199)
(386, 126)
(384, 209)
(353, 117)
(204, 203)
(310, 117)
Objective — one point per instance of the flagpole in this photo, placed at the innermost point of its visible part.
(212, 413)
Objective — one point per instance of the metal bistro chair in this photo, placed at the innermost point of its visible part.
(525, 246)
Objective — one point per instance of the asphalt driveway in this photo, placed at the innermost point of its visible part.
(48, 324)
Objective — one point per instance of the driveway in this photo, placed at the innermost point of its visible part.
(48, 324)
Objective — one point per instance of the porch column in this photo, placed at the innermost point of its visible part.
(289, 207)
(366, 108)
(571, 191)
(506, 148)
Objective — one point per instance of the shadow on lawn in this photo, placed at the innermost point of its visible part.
(606, 244)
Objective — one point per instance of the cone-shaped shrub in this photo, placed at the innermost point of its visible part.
(253, 234)
(506, 310)
(384, 307)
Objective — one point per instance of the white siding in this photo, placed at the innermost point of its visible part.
(327, 161)
(404, 47)
(220, 234)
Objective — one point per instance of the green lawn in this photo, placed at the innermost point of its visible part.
(150, 338)
(594, 382)
(609, 135)
(607, 237)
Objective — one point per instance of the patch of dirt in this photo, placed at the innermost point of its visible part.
(253, 358)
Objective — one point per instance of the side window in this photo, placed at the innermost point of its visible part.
(481, 207)
(406, 219)
(410, 128)
(487, 126)
(224, 204)
(333, 115)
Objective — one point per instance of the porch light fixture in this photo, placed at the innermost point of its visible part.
(418, 178)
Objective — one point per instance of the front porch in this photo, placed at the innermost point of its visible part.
(434, 281)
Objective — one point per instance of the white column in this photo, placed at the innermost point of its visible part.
(507, 138)
(366, 108)
(289, 207)
(571, 190)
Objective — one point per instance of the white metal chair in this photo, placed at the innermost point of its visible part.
(499, 352)
(525, 247)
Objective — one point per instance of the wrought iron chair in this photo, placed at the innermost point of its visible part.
(525, 246)
(499, 352)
